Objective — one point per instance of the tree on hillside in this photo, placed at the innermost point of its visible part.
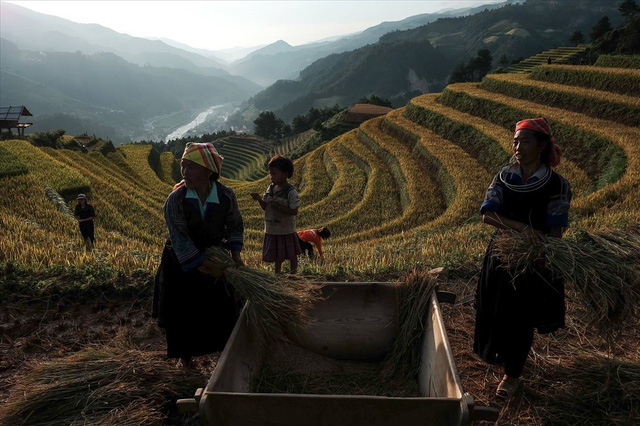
(601, 28)
(481, 64)
(268, 126)
(474, 70)
(628, 9)
(302, 123)
(503, 61)
(375, 100)
(576, 38)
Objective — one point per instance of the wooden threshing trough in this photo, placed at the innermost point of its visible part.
(354, 321)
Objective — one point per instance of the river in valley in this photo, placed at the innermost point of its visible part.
(200, 118)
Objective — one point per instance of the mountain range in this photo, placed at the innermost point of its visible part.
(88, 78)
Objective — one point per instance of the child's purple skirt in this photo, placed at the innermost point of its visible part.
(277, 248)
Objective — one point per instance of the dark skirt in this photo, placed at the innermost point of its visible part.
(506, 307)
(197, 311)
(86, 229)
(277, 248)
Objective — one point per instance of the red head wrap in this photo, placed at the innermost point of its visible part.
(541, 125)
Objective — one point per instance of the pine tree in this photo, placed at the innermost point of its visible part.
(601, 28)
(576, 38)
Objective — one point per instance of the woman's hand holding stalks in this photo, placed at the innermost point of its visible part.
(212, 268)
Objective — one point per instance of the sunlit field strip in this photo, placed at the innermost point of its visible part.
(526, 80)
(380, 202)
(454, 239)
(580, 182)
(97, 165)
(625, 81)
(346, 193)
(50, 171)
(332, 171)
(317, 182)
(10, 165)
(602, 71)
(605, 161)
(470, 180)
(137, 156)
(101, 166)
(166, 166)
(426, 199)
(392, 162)
(596, 103)
(22, 243)
(488, 151)
(618, 195)
(33, 232)
(158, 188)
(121, 210)
(25, 197)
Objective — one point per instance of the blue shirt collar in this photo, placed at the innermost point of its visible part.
(212, 198)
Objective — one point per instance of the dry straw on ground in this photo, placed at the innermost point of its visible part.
(102, 385)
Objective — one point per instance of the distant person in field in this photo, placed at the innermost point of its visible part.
(312, 237)
(85, 214)
(280, 204)
(526, 196)
(192, 301)
(548, 60)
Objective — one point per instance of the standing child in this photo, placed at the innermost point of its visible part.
(280, 204)
(314, 236)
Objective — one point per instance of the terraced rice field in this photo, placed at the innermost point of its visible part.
(397, 183)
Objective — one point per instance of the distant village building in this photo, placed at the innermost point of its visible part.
(10, 118)
(359, 113)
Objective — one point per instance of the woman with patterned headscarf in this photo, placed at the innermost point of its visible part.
(526, 196)
(193, 303)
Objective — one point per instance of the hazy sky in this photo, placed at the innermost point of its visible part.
(224, 24)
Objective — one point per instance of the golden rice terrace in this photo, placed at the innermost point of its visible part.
(400, 189)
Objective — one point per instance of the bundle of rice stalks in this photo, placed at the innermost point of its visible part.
(277, 306)
(115, 385)
(603, 267)
(403, 360)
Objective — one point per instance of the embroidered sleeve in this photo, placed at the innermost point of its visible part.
(494, 196)
(558, 207)
(293, 199)
(234, 226)
(186, 251)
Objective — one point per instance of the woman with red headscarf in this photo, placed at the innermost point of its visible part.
(526, 196)
(197, 311)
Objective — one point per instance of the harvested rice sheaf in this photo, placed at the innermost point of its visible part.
(276, 306)
(602, 267)
(414, 293)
